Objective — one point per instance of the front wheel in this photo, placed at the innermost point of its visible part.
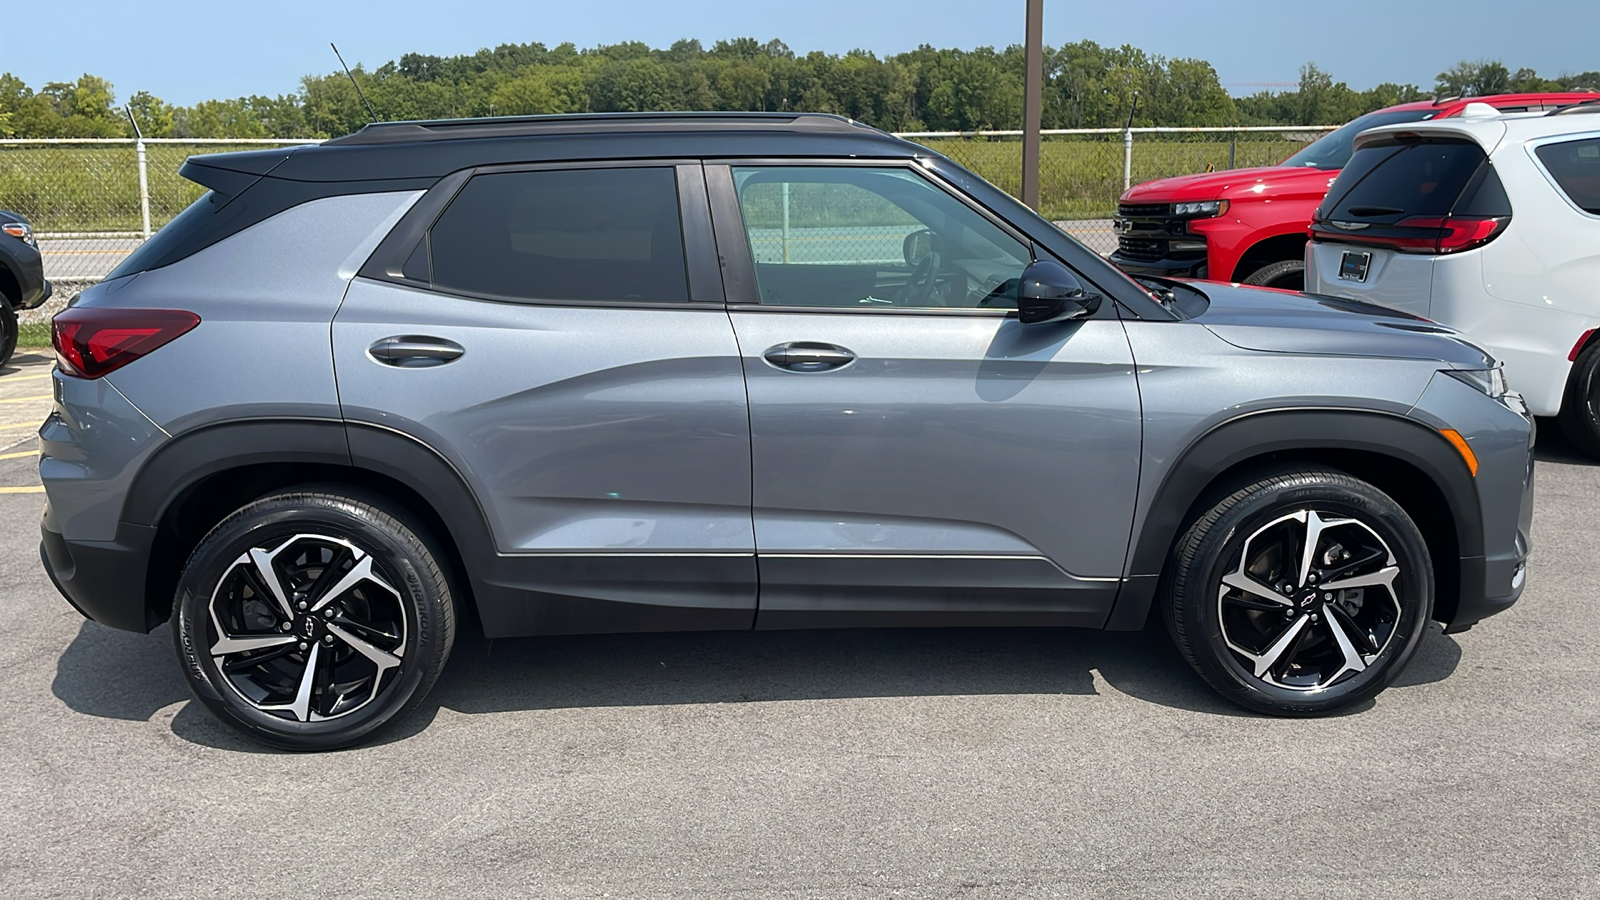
(1288, 274)
(8, 330)
(310, 619)
(1300, 593)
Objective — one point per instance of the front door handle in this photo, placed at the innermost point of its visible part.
(808, 356)
(411, 351)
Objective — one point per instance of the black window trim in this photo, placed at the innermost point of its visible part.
(705, 288)
(738, 264)
(1533, 147)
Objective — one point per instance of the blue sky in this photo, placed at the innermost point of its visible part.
(188, 51)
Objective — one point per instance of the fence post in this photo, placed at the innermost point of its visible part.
(144, 186)
(1233, 145)
(1127, 159)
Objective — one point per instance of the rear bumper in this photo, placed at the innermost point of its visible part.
(103, 580)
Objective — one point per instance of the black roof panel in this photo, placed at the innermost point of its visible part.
(394, 150)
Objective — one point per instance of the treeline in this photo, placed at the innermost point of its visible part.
(1087, 86)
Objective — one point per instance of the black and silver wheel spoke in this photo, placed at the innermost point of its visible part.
(1310, 600)
(309, 630)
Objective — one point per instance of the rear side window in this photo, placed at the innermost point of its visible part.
(1575, 168)
(1388, 182)
(567, 234)
(185, 227)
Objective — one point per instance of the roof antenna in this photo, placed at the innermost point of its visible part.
(370, 111)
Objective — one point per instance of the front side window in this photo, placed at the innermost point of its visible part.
(1575, 168)
(564, 234)
(853, 237)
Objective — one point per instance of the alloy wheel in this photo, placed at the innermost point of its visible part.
(308, 629)
(1311, 602)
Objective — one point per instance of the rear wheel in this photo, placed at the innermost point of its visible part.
(1300, 593)
(1288, 274)
(1580, 408)
(311, 619)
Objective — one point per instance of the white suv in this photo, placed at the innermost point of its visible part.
(1487, 223)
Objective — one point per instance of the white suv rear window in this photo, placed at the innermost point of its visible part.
(1575, 166)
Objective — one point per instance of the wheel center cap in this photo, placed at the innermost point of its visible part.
(1308, 599)
(308, 628)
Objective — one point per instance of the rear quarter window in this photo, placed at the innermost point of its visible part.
(1387, 182)
(1575, 168)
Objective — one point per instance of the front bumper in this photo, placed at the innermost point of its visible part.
(1493, 573)
(1161, 268)
(103, 580)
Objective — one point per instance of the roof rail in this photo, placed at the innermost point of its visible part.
(1442, 99)
(596, 123)
(1582, 106)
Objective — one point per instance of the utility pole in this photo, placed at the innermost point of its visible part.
(1032, 103)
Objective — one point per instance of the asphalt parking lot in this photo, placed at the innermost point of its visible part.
(971, 764)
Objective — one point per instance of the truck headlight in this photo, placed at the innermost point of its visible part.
(1201, 208)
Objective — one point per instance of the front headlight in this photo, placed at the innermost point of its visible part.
(19, 231)
(1200, 208)
(1492, 382)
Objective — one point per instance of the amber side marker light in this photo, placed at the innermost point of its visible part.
(1460, 443)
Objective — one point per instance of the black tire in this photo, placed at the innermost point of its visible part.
(1580, 408)
(1227, 633)
(372, 654)
(1289, 274)
(8, 330)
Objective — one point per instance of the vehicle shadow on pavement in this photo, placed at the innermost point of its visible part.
(117, 675)
(1553, 446)
(15, 363)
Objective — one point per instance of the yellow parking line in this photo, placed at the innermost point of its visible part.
(28, 399)
(5, 380)
(25, 489)
(19, 455)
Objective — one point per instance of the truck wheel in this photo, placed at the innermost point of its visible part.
(1288, 274)
(1580, 409)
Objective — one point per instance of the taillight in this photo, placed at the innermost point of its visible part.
(1417, 234)
(1456, 233)
(92, 342)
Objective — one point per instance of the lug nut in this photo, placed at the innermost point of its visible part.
(302, 604)
(304, 645)
(328, 612)
(327, 639)
(1312, 578)
(1327, 596)
(286, 625)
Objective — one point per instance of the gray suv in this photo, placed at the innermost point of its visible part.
(736, 371)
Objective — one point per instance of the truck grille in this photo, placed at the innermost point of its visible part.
(1143, 210)
(1141, 248)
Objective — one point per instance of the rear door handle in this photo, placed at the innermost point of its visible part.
(808, 356)
(411, 351)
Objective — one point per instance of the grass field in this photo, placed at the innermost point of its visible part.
(33, 335)
(89, 188)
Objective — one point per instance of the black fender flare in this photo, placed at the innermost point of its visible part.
(181, 464)
(1264, 433)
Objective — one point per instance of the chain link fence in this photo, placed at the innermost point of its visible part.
(1083, 171)
(92, 202)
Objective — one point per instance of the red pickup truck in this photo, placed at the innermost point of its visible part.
(1249, 225)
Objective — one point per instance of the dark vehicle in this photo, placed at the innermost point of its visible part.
(736, 371)
(22, 281)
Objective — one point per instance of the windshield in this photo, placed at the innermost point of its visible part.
(1332, 150)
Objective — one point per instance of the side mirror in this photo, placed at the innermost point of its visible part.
(1049, 292)
(916, 246)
